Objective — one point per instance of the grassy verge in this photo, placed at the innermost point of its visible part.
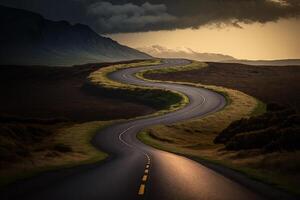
(259, 109)
(161, 99)
(194, 138)
(188, 67)
(254, 166)
(68, 147)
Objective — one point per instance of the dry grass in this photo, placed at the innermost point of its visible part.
(195, 138)
(163, 99)
(70, 146)
(194, 65)
(270, 84)
(79, 137)
(100, 77)
(199, 133)
(76, 137)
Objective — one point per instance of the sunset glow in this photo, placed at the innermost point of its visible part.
(273, 40)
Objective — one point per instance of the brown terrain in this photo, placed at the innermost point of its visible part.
(57, 92)
(45, 115)
(265, 147)
(267, 83)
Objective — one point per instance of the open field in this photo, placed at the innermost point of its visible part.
(63, 146)
(269, 84)
(30, 145)
(61, 143)
(161, 99)
(57, 92)
(195, 138)
(46, 114)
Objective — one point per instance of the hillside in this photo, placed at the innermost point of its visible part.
(29, 39)
(187, 53)
(277, 84)
(41, 92)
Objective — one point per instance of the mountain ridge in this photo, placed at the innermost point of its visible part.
(188, 53)
(30, 39)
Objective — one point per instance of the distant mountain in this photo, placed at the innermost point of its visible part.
(286, 62)
(162, 52)
(26, 38)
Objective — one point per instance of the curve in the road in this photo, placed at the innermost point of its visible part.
(137, 171)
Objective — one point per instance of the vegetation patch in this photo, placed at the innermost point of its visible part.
(200, 133)
(271, 160)
(25, 92)
(161, 99)
(194, 65)
(30, 146)
(28, 149)
(267, 83)
(276, 130)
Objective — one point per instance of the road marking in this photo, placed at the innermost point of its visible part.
(145, 178)
(124, 76)
(121, 139)
(146, 172)
(130, 145)
(142, 189)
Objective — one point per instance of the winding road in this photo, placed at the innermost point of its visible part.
(134, 170)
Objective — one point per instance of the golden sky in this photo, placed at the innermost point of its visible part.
(273, 40)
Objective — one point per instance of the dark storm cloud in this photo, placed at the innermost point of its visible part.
(129, 17)
(113, 16)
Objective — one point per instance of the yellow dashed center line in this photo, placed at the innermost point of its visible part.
(142, 189)
(145, 178)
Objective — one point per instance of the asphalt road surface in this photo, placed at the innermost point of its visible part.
(134, 170)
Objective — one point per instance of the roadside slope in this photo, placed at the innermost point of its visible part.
(195, 138)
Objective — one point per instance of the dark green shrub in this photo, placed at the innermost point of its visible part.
(62, 148)
(17, 140)
(289, 140)
(275, 107)
(253, 140)
(276, 130)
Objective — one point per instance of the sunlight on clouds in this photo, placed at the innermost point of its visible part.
(128, 17)
(272, 40)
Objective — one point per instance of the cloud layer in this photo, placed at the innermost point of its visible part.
(129, 17)
(170, 14)
(119, 16)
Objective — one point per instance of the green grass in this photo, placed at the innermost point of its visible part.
(188, 67)
(259, 109)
